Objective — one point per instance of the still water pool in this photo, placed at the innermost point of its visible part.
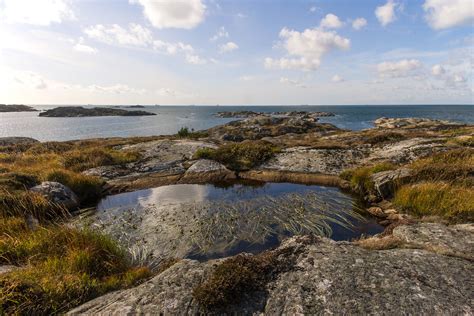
(204, 221)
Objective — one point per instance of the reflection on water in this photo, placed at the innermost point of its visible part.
(207, 221)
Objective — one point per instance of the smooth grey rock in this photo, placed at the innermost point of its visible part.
(7, 268)
(454, 240)
(412, 122)
(386, 182)
(325, 277)
(57, 193)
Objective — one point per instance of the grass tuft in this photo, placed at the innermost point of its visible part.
(80, 160)
(240, 156)
(360, 178)
(453, 202)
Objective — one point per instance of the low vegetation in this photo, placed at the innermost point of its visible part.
(450, 201)
(235, 279)
(62, 267)
(384, 137)
(240, 156)
(185, 132)
(360, 178)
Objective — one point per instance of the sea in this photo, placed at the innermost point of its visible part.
(170, 119)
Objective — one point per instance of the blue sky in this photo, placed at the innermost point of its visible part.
(236, 52)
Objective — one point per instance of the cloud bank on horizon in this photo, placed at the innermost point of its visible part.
(234, 52)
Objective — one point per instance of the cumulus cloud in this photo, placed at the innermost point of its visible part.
(172, 48)
(359, 23)
(83, 48)
(228, 47)
(221, 33)
(313, 9)
(386, 13)
(308, 47)
(442, 14)
(116, 89)
(331, 21)
(400, 68)
(293, 82)
(437, 70)
(134, 35)
(337, 78)
(183, 14)
(246, 78)
(37, 12)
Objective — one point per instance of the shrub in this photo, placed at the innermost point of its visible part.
(88, 188)
(18, 180)
(240, 156)
(65, 267)
(437, 198)
(384, 137)
(183, 132)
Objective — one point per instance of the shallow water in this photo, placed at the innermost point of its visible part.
(207, 221)
(170, 119)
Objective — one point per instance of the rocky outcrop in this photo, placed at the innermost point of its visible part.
(162, 162)
(410, 123)
(204, 170)
(386, 182)
(10, 141)
(58, 194)
(247, 114)
(79, 111)
(16, 108)
(258, 127)
(326, 277)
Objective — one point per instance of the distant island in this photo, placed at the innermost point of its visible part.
(136, 106)
(16, 108)
(79, 111)
(247, 114)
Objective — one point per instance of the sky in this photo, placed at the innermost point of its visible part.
(236, 52)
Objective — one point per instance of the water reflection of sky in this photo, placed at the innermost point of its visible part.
(194, 193)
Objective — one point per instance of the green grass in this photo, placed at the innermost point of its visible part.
(443, 199)
(185, 132)
(360, 178)
(62, 267)
(240, 156)
(80, 160)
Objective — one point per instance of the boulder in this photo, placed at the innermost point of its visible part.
(205, 170)
(7, 268)
(386, 182)
(321, 276)
(58, 193)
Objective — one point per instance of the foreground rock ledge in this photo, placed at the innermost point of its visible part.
(328, 277)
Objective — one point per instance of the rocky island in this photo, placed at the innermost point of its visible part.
(412, 177)
(247, 114)
(79, 111)
(16, 108)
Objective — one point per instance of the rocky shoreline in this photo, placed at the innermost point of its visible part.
(16, 108)
(427, 258)
(78, 111)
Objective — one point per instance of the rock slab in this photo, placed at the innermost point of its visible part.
(58, 194)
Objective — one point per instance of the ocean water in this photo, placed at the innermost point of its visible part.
(170, 119)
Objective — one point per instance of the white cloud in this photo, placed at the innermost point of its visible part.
(359, 23)
(116, 89)
(135, 35)
(308, 46)
(331, 21)
(221, 33)
(400, 68)
(83, 48)
(31, 80)
(228, 47)
(184, 14)
(313, 9)
(442, 14)
(293, 82)
(195, 59)
(37, 12)
(458, 78)
(437, 70)
(386, 13)
(337, 78)
(172, 48)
